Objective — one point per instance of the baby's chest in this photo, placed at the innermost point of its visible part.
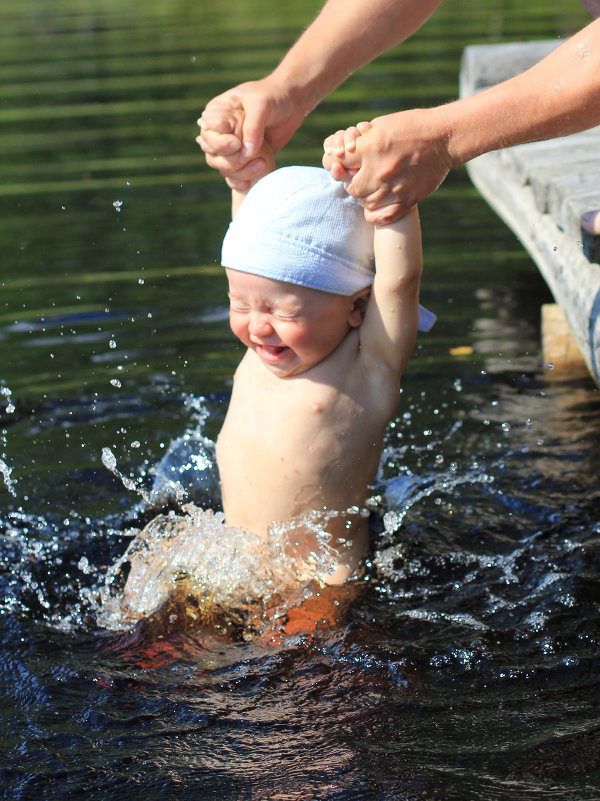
(286, 417)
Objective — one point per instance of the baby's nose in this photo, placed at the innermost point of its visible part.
(260, 324)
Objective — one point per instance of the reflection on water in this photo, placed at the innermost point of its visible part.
(468, 665)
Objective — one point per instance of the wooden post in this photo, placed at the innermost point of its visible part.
(559, 347)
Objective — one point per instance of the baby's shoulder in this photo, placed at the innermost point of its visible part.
(369, 381)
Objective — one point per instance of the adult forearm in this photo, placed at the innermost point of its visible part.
(558, 96)
(346, 35)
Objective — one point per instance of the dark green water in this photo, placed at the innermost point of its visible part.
(471, 668)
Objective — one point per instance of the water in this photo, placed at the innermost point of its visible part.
(468, 666)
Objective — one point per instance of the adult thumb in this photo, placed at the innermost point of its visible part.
(253, 128)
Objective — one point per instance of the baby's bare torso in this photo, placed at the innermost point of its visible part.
(309, 443)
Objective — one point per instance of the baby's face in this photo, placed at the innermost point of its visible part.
(290, 328)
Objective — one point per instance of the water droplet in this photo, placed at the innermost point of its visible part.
(5, 472)
(115, 382)
(84, 565)
(112, 344)
(10, 407)
(118, 204)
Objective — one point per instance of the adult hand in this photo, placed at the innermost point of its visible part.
(235, 124)
(401, 159)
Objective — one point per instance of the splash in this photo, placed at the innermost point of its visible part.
(187, 472)
(109, 460)
(219, 567)
(5, 470)
(403, 492)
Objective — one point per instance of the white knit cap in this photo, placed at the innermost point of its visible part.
(300, 226)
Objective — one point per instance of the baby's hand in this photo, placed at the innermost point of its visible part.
(341, 145)
(220, 132)
(342, 142)
(223, 116)
(220, 138)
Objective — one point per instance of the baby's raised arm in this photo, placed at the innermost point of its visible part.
(389, 330)
(238, 194)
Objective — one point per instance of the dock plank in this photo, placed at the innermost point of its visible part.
(540, 190)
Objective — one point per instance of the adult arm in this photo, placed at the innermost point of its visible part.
(345, 35)
(405, 156)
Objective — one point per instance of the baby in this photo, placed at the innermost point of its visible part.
(327, 341)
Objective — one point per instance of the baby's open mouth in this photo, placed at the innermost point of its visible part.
(269, 352)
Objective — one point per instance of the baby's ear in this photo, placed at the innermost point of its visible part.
(359, 307)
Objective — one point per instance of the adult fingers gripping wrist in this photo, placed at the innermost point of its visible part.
(236, 175)
(386, 215)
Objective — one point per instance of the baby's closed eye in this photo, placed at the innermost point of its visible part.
(243, 308)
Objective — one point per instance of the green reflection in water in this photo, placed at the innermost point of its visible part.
(110, 223)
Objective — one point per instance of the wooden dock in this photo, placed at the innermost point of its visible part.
(540, 190)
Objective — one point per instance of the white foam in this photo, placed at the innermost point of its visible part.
(224, 566)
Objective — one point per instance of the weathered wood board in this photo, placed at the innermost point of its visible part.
(540, 190)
